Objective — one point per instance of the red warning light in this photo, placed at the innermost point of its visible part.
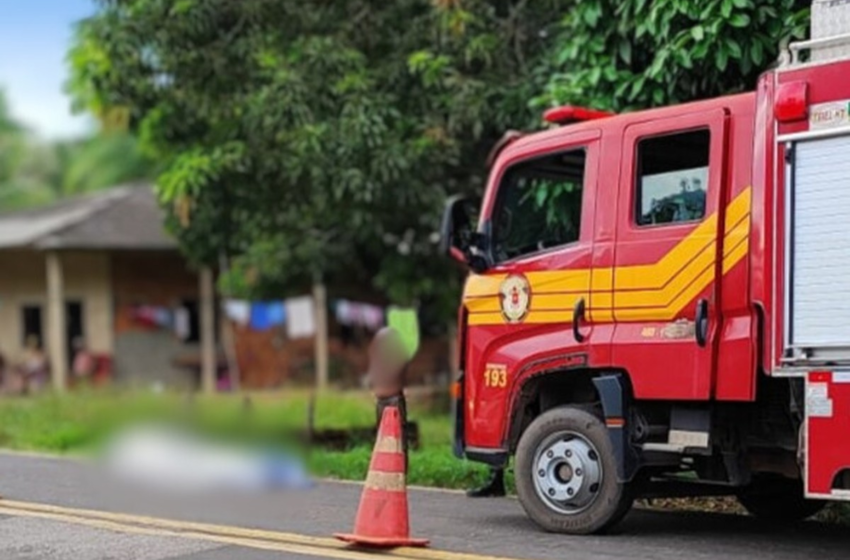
(570, 114)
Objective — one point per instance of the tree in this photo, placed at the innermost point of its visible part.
(320, 139)
(11, 141)
(626, 54)
(313, 139)
(105, 160)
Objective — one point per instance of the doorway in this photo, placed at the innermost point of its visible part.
(74, 327)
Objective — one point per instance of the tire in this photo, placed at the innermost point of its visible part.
(598, 501)
(778, 499)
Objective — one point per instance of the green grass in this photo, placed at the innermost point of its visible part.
(78, 422)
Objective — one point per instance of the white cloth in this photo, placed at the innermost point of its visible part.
(238, 311)
(351, 313)
(181, 323)
(300, 317)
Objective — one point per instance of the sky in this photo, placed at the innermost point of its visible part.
(34, 39)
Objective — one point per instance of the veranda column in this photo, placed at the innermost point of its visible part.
(56, 327)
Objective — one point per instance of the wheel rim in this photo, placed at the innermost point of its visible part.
(567, 472)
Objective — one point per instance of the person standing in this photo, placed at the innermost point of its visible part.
(83, 365)
(388, 361)
(33, 365)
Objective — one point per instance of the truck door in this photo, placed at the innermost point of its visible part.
(668, 254)
(540, 206)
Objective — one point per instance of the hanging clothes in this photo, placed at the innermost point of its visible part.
(267, 315)
(371, 317)
(153, 317)
(276, 313)
(344, 313)
(238, 311)
(406, 322)
(301, 317)
(182, 323)
(353, 314)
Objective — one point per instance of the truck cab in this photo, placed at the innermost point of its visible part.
(656, 306)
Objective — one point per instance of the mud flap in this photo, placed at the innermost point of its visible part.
(614, 395)
(827, 455)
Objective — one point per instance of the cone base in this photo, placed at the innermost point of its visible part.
(381, 542)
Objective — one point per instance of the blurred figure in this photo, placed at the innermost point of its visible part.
(33, 365)
(386, 377)
(83, 366)
(3, 380)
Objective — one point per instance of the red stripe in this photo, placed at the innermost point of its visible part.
(387, 462)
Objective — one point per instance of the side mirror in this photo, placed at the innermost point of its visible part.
(458, 237)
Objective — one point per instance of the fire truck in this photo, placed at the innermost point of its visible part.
(658, 302)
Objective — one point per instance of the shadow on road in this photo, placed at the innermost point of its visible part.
(694, 535)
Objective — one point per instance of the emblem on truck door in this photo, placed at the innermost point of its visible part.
(515, 296)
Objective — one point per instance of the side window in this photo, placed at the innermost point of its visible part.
(539, 205)
(672, 178)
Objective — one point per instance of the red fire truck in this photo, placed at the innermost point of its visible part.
(658, 302)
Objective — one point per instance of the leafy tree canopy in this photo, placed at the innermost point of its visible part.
(627, 54)
(320, 139)
(11, 141)
(314, 139)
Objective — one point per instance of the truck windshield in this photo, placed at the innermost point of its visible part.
(539, 205)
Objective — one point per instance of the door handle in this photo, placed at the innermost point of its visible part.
(701, 322)
(578, 315)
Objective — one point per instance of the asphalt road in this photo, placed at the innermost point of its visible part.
(82, 522)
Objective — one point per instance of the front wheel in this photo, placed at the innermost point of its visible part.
(566, 473)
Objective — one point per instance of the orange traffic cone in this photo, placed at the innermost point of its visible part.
(382, 518)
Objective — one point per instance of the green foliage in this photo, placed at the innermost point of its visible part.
(626, 54)
(102, 161)
(45, 172)
(11, 141)
(305, 140)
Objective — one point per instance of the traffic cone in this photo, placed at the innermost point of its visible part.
(382, 518)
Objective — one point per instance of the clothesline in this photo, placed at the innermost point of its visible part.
(298, 316)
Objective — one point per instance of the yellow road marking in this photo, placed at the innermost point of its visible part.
(254, 538)
(194, 535)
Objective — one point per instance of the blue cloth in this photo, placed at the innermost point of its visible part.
(276, 313)
(265, 315)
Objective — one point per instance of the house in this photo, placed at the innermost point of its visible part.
(101, 268)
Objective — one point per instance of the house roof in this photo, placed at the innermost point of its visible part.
(122, 218)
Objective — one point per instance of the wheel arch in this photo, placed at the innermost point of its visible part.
(608, 391)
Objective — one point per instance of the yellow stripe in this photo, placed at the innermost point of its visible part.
(656, 291)
(602, 279)
(668, 313)
(486, 319)
(483, 285)
(740, 232)
(739, 207)
(488, 304)
(242, 536)
(663, 296)
(550, 281)
(658, 274)
(735, 256)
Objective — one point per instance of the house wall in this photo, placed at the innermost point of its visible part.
(268, 359)
(145, 355)
(23, 281)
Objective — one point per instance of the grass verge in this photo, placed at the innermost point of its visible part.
(78, 422)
